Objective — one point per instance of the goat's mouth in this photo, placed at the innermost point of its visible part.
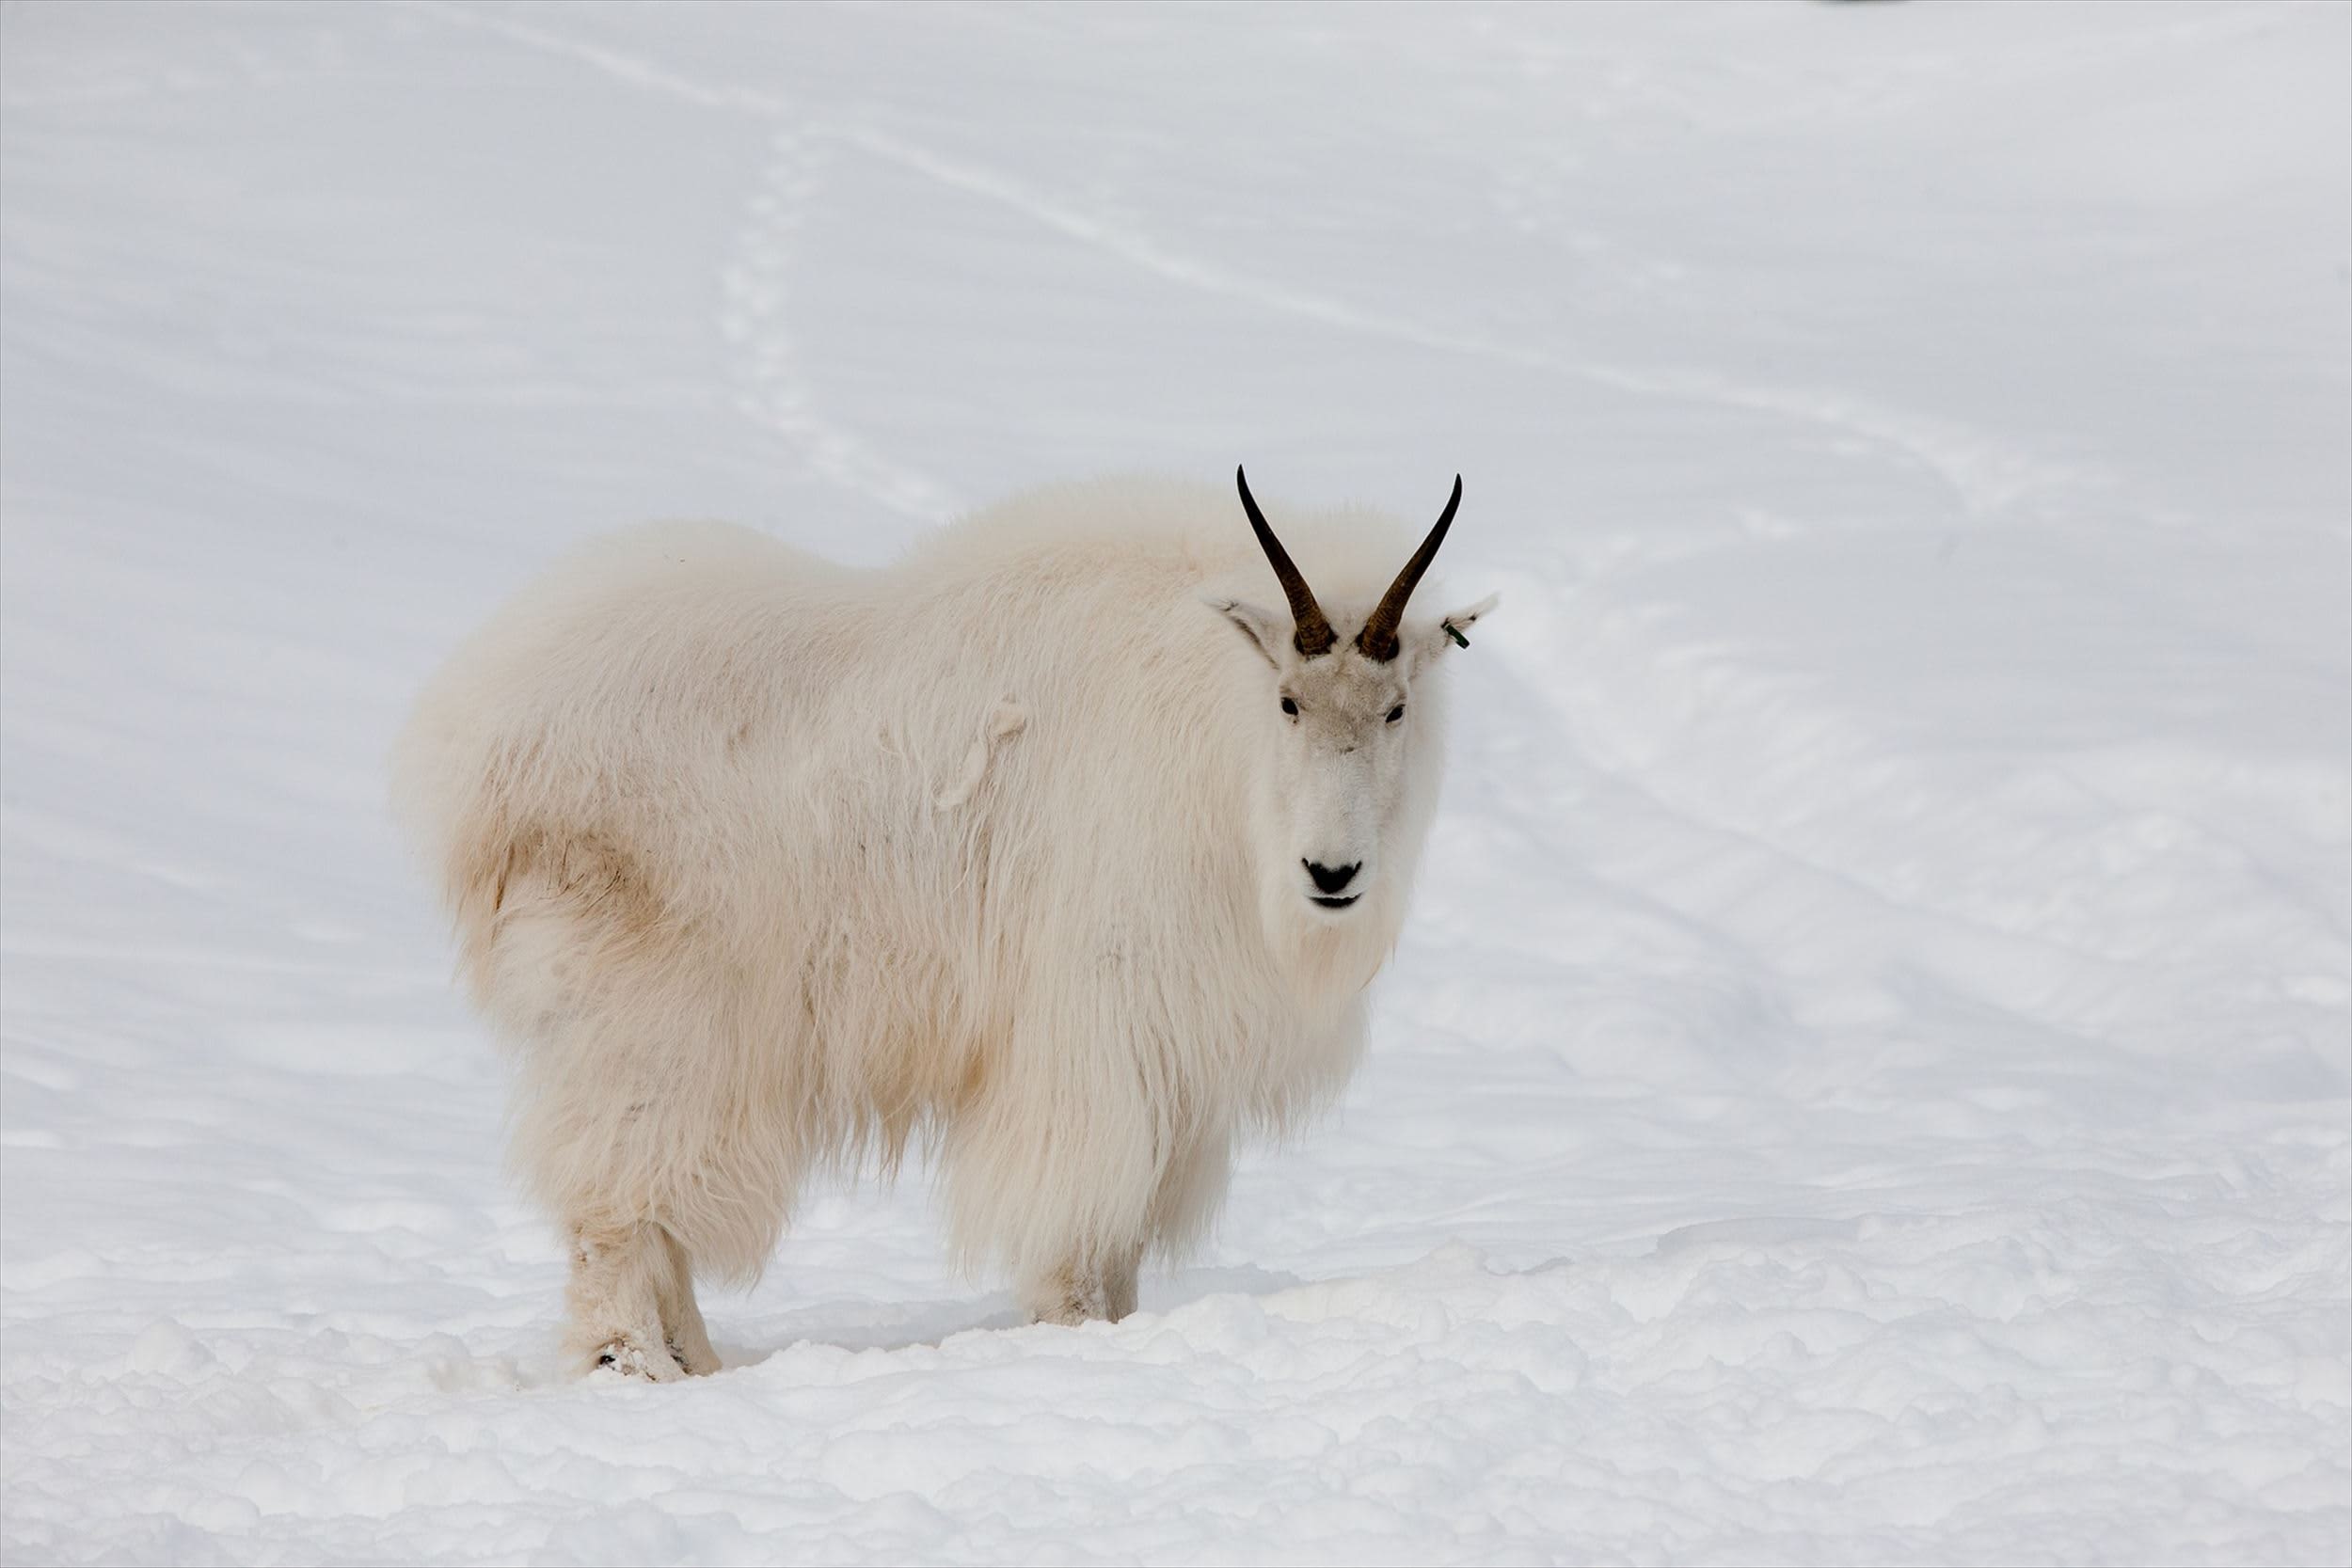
(1339, 903)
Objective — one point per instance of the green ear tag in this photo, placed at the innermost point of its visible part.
(1451, 630)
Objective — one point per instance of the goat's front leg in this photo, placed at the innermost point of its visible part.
(1095, 1284)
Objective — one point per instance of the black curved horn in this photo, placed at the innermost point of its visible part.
(1378, 639)
(1313, 635)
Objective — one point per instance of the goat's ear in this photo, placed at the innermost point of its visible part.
(1265, 630)
(1450, 629)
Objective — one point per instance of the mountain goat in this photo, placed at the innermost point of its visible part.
(1059, 847)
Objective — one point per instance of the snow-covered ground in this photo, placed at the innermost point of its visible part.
(1867, 1077)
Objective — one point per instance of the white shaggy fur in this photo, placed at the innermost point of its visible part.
(759, 861)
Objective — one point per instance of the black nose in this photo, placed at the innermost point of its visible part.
(1330, 878)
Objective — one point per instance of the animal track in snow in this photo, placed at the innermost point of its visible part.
(772, 385)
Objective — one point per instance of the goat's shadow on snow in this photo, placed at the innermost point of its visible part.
(904, 1325)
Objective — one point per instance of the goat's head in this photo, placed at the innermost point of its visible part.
(1341, 719)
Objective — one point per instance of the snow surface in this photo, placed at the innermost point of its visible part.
(1867, 1077)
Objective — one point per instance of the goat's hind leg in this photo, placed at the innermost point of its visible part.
(681, 1319)
(622, 1290)
(638, 1075)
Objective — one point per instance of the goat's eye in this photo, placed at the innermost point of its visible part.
(1290, 707)
(1396, 713)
